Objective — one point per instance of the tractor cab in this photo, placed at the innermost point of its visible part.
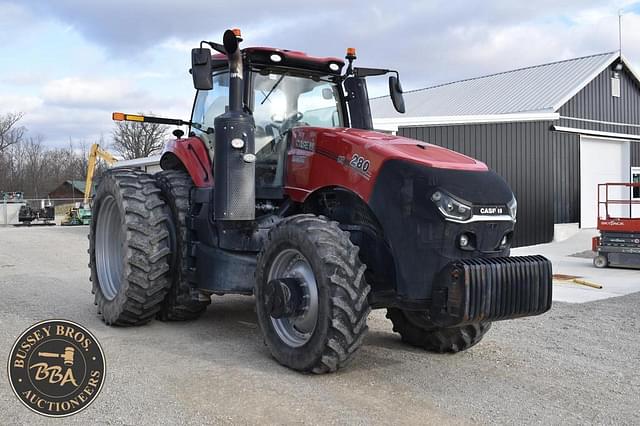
(279, 98)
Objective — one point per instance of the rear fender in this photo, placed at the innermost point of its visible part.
(192, 155)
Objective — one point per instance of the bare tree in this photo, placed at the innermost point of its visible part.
(10, 132)
(30, 167)
(137, 140)
(35, 173)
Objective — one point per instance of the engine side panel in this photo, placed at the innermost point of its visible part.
(192, 154)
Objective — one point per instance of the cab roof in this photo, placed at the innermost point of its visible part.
(268, 56)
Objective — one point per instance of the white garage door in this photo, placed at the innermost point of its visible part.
(601, 161)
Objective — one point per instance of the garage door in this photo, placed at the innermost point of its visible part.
(601, 160)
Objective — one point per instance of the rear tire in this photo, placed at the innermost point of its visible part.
(182, 302)
(440, 340)
(325, 336)
(128, 248)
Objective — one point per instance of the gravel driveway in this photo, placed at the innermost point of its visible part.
(578, 364)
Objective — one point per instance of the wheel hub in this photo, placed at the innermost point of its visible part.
(284, 297)
(293, 304)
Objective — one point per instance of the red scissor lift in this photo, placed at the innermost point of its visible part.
(619, 226)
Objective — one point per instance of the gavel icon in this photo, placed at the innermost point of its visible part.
(67, 356)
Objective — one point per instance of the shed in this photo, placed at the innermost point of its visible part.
(553, 131)
(68, 190)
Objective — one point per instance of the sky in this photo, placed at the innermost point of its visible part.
(68, 64)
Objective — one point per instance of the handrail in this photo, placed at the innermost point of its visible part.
(631, 201)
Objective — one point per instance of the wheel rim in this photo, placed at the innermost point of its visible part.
(296, 331)
(109, 253)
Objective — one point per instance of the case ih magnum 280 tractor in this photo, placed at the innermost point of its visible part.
(283, 191)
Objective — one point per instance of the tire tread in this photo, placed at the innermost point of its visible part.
(146, 252)
(439, 340)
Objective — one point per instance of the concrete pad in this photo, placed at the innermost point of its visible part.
(615, 281)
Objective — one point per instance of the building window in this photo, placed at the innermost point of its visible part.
(615, 87)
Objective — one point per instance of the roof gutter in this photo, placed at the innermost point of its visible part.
(392, 124)
(587, 132)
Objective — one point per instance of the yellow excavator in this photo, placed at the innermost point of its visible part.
(80, 214)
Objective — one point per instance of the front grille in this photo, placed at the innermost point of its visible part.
(492, 289)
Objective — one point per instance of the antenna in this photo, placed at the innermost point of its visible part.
(620, 31)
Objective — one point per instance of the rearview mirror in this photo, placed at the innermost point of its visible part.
(395, 91)
(201, 68)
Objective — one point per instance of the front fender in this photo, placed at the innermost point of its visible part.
(192, 154)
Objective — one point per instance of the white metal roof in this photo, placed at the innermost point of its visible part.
(540, 89)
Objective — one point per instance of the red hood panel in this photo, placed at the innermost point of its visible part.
(401, 148)
(352, 158)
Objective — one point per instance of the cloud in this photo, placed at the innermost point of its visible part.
(133, 55)
(82, 93)
(18, 103)
(425, 40)
(13, 15)
(80, 109)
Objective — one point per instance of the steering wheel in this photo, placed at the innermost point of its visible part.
(289, 122)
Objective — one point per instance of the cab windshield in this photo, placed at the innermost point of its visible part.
(286, 99)
(279, 102)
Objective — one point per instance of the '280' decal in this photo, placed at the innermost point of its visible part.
(360, 163)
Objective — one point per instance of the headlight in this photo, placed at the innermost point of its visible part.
(513, 208)
(450, 207)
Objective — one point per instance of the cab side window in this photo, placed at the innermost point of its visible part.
(320, 106)
(210, 104)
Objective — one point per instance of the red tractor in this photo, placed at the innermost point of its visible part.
(283, 190)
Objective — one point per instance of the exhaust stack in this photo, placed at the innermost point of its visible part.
(234, 162)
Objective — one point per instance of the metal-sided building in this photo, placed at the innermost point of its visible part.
(553, 131)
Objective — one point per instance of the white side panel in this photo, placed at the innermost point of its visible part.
(9, 213)
(601, 160)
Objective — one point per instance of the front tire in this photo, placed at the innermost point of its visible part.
(413, 330)
(332, 324)
(128, 248)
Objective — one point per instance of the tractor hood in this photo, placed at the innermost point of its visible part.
(353, 158)
(392, 147)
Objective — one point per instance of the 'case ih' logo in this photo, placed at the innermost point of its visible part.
(489, 210)
(56, 368)
(306, 145)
